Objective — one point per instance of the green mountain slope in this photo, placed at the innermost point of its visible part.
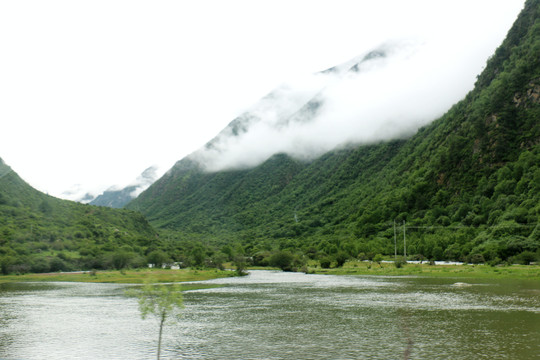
(40, 233)
(467, 186)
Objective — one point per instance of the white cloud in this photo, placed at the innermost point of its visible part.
(93, 92)
(392, 91)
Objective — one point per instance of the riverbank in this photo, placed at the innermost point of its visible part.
(137, 276)
(465, 270)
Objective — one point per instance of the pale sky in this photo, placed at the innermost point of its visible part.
(94, 92)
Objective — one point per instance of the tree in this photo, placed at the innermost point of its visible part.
(378, 259)
(158, 258)
(282, 260)
(198, 255)
(161, 301)
(120, 259)
(240, 263)
(341, 258)
(526, 257)
(326, 262)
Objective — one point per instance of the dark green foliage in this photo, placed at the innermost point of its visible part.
(527, 257)
(467, 186)
(282, 260)
(341, 258)
(326, 262)
(40, 233)
(378, 258)
(158, 258)
(240, 263)
(286, 261)
(399, 262)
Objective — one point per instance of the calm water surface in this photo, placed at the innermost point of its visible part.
(274, 315)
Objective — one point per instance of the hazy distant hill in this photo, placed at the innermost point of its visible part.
(40, 233)
(467, 185)
(118, 198)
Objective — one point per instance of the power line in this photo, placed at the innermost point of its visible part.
(470, 226)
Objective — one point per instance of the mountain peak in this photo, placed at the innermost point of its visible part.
(118, 197)
(465, 183)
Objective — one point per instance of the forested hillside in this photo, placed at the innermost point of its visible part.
(466, 187)
(40, 233)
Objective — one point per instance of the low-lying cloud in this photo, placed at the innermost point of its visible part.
(383, 94)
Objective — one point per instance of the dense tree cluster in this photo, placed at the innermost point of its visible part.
(39, 233)
(466, 186)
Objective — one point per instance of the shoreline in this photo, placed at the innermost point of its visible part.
(133, 276)
(138, 276)
(531, 272)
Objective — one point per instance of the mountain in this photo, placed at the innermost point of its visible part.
(117, 198)
(306, 116)
(463, 187)
(40, 233)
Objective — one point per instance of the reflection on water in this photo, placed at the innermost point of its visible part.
(274, 315)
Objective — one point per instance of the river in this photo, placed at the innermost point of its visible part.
(275, 315)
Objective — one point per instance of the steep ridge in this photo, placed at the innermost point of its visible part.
(117, 198)
(466, 186)
(40, 233)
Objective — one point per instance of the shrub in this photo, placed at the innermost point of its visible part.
(158, 258)
(341, 258)
(326, 262)
(494, 262)
(476, 259)
(400, 262)
(282, 260)
(39, 265)
(526, 257)
(240, 263)
(121, 259)
(57, 264)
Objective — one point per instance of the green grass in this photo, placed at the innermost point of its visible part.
(123, 277)
(389, 269)
(350, 268)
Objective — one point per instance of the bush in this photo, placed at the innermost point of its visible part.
(282, 260)
(58, 264)
(362, 256)
(39, 265)
(240, 263)
(262, 258)
(326, 262)
(121, 259)
(341, 258)
(400, 262)
(476, 259)
(158, 258)
(5, 264)
(526, 258)
(494, 262)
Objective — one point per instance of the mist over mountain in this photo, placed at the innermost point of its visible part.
(369, 144)
(386, 93)
(117, 197)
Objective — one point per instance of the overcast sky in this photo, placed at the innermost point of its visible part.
(94, 92)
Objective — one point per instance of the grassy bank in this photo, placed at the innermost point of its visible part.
(137, 276)
(389, 269)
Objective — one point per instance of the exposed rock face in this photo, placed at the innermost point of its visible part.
(530, 97)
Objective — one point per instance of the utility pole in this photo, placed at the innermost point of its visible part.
(404, 242)
(395, 242)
